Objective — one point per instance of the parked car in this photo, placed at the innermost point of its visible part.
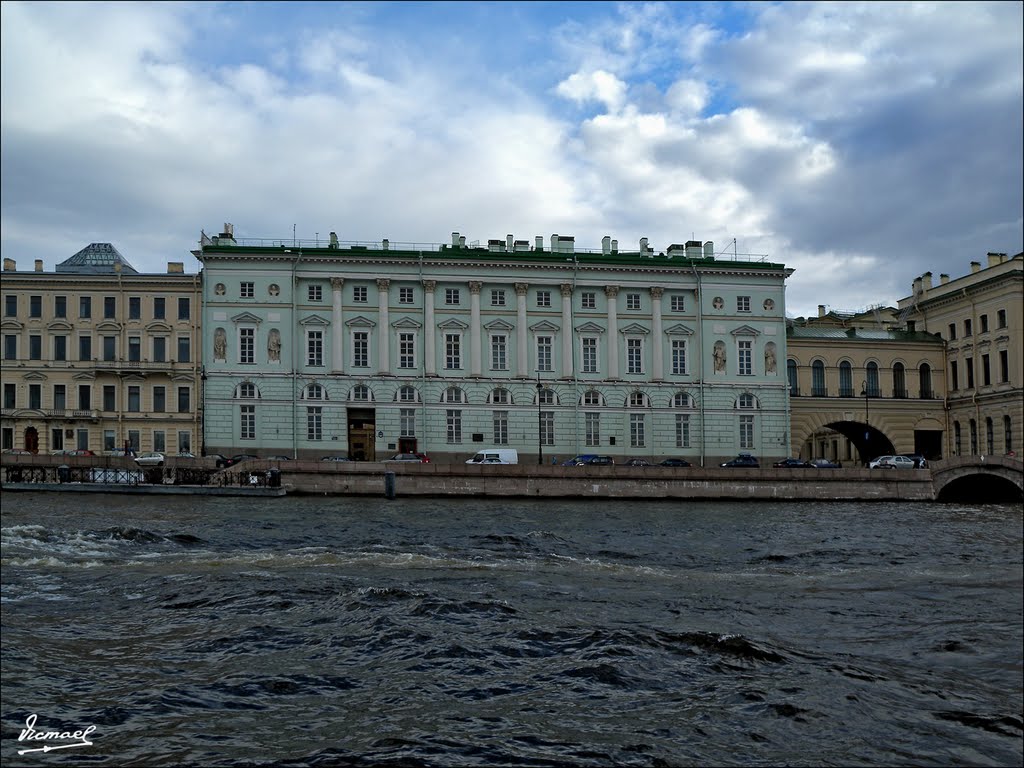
(150, 459)
(588, 458)
(280, 457)
(892, 462)
(239, 458)
(825, 464)
(495, 456)
(74, 452)
(416, 458)
(186, 455)
(335, 458)
(219, 459)
(17, 452)
(792, 463)
(743, 460)
(675, 462)
(636, 463)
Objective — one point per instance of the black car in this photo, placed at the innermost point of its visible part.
(791, 463)
(595, 461)
(675, 463)
(238, 458)
(743, 460)
(825, 464)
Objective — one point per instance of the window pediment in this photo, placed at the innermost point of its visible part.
(679, 330)
(11, 325)
(108, 325)
(182, 377)
(499, 325)
(84, 376)
(246, 318)
(745, 330)
(60, 325)
(589, 328)
(634, 329)
(407, 322)
(453, 324)
(314, 320)
(158, 327)
(360, 322)
(34, 376)
(544, 326)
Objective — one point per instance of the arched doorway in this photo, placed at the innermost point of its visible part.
(868, 441)
(32, 440)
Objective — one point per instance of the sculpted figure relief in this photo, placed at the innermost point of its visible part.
(274, 345)
(769, 357)
(220, 344)
(719, 357)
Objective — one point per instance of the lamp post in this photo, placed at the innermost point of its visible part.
(867, 417)
(540, 431)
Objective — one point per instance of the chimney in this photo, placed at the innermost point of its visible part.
(615, 246)
(334, 240)
(975, 267)
(554, 243)
(175, 267)
(10, 265)
(509, 241)
(943, 279)
(821, 310)
(709, 250)
(538, 243)
(995, 258)
(917, 285)
(385, 244)
(606, 245)
(455, 239)
(927, 278)
(39, 265)
(462, 241)
(643, 245)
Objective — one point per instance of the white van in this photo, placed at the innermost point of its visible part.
(496, 456)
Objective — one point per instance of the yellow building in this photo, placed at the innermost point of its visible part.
(981, 318)
(98, 356)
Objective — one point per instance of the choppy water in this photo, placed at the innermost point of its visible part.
(336, 631)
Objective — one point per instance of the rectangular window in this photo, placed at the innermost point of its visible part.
(968, 330)
(60, 347)
(952, 331)
(159, 441)
(35, 396)
(85, 348)
(82, 439)
(184, 308)
(452, 351)
(60, 398)
(7, 439)
(159, 349)
(184, 349)
(246, 290)
(499, 425)
(547, 428)
(1004, 366)
(954, 380)
(682, 430)
(35, 347)
(634, 356)
(10, 395)
(453, 423)
(159, 399)
(60, 306)
(134, 307)
(1001, 318)
(184, 441)
(543, 298)
(678, 303)
(57, 439)
(315, 349)
(35, 306)
(406, 350)
(134, 399)
(134, 349)
(588, 300)
(499, 352)
(109, 398)
(109, 348)
(10, 305)
(742, 303)
(986, 373)
(984, 323)
(110, 307)
(969, 367)
(84, 307)
(361, 349)
(679, 357)
(359, 294)
(589, 354)
(184, 399)
(84, 397)
(405, 296)
(746, 432)
(315, 293)
(10, 346)
(544, 353)
(314, 423)
(745, 358)
(246, 346)
(451, 296)
(633, 301)
(592, 429)
(497, 298)
(247, 422)
(133, 440)
(637, 437)
(159, 308)
(407, 422)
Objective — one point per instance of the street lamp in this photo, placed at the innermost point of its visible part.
(867, 416)
(540, 431)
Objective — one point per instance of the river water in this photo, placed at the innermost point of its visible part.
(331, 631)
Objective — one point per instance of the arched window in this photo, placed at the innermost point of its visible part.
(546, 397)
(872, 382)
(315, 392)
(794, 385)
(592, 399)
(638, 400)
(453, 395)
(501, 396)
(845, 379)
(974, 437)
(956, 438)
(818, 379)
(246, 391)
(925, 377)
(361, 393)
(990, 436)
(682, 400)
(746, 401)
(899, 380)
(407, 394)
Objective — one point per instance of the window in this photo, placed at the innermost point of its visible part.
(246, 290)
(592, 429)
(134, 307)
(497, 298)
(408, 394)
(406, 350)
(453, 395)
(588, 300)
(60, 401)
(84, 307)
(109, 348)
(1004, 366)
(899, 380)
(634, 355)
(35, 396)
(633, 301)
(56, 439)
(159, 349)
(682, 430)
(159, 441)
(592, 399)
(315, 349)
(314, 423)
(247, 422)
(313, 392)
(10, 395)
(543, 298)
(547, 428)
(10, 305)
(678, 303)
(109, 307)
(159, 308)
(246, 346)
(954, 381)
(956, 438)
(84, 397)
(499, 426)
(637, 438)
(873, 390)
(407, 422)
(109, 398)
(1001, 318)
(794, 385)
(499, 352)
(969, 368)
(986, 373)
(967, 327)
(679, 357)
(453, 422)
(247, 390)
(184, 398)
(315, 292)
(134, 349)
(361, 393)
(984, 327)
(35, 347)
(405, 296)
(159, 399)
(82, 438)
(547, 397)
(184, 349)
(745, 358)
(589, 354)
(746, 402)
(359, 294)
(134, 440)
(184, 441)
(924, 374)
(60, 306)
(500, 397)
(184, 308)
(134, 399)
(452, 351)
(361, 349)
(990, 437)
(451, 296)
(60, 347)
(85, 348)
(544, 353)
(845, 379)
(952, 331)
(974, 437)
(742, 303)
(35, 306)
(746, 432)
(1007, 434)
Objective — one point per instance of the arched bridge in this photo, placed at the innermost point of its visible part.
(978, 479)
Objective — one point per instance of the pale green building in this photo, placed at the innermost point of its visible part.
(367, 350)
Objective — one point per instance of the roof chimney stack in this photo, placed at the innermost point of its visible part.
(975, 267)
(996, 258)
(10, 265)
(926, 279)
(943, 279)
(39, 265)
(821, 310)
(175, 267)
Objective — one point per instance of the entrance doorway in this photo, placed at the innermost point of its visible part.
(361, 440)
(32, 440)
(407, 445)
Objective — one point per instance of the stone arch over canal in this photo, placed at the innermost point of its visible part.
(979, 479)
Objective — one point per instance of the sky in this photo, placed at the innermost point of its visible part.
(860, 144)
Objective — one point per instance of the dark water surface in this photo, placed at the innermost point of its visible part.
(340, 631)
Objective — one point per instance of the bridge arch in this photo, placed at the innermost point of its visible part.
(980, 479)
(869, 441)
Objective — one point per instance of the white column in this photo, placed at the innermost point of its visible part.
(612, 292)
(429, 329)
(522, 360)
(567, 361)
(474, 328)
(657, 359)
(337, 328)
(384, 337)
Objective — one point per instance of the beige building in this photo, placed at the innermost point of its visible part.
(97, 356)
(981, 318)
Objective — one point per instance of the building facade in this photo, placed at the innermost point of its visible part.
(366, 350)
(981, 318)
(98, 356)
